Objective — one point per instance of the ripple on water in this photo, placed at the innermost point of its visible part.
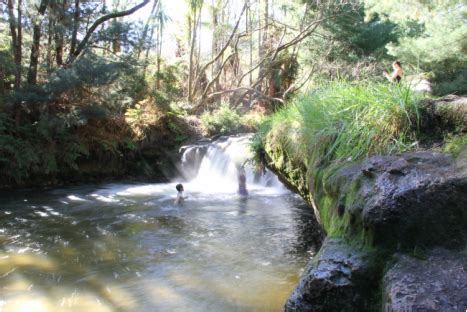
(129, 248)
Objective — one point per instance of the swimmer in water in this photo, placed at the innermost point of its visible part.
(180, 198)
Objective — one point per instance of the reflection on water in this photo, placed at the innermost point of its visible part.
(127, 247)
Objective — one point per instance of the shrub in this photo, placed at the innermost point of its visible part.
(223, 120)
(252, 121)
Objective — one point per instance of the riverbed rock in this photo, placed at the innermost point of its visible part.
(436, 283)
(339, 278)
(403, 201)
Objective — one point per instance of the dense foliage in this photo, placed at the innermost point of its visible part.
(88, 81)
(431, 39)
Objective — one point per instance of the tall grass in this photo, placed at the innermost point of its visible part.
(344, 121)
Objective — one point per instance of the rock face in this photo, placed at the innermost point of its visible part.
(445, 114)
(396, 204)
(437, 283)
(406, 200)
(339, 279)
(389, 205)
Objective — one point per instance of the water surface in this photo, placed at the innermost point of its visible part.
(128, 247)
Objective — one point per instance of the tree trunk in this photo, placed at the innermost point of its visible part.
(59, 48)
(19, 53)
(58, 9)
(139, 48)
(146, 57)
(263, 41)
(196, 18)
(159, 56)
(250, 30)
(215, 40)
(50, 58)
(74, 35)
(258, 15)
(2, 80)
(35, 48)
(266, 26)
(34, 59)
(15, 39)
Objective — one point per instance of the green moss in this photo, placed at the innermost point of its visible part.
(455, 144)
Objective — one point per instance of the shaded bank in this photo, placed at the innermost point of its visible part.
(142, 144)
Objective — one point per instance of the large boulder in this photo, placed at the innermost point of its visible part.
(436, 283)
(413, 201)
(340, 278)
(403, 201)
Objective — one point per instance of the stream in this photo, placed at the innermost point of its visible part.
(127, 247)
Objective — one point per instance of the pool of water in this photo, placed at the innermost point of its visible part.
(128, 247)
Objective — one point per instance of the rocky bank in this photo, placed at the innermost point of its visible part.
(396, 230)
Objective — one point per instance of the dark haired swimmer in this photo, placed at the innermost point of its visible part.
(180, 198)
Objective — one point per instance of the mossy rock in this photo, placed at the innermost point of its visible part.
(342, 277)
(413, 199)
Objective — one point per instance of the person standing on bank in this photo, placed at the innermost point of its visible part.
(397, 74)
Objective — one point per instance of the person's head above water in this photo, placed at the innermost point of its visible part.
(179, 187)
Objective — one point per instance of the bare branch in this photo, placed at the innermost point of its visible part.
(221, 52)
(252, 90)
(215, 78)
(96, 24)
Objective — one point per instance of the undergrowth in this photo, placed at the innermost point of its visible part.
(226, 120)
(35, 149)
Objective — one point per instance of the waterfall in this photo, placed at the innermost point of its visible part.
(213, 166)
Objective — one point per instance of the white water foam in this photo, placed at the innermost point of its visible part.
(218, 171)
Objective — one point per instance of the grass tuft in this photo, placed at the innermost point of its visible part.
(345, 121)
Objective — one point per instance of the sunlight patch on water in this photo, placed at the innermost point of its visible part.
(51, 211)
(58, 301)
(149, 189)
(108, 199)
(75, 198)
(40, 262)
(41, 213)
(28, 304)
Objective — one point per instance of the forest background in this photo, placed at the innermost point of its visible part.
(97, 89)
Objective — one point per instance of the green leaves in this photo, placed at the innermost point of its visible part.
(221, 121)
(36, 149)
(432, 38)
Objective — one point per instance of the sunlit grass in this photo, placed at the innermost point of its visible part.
(345, 121)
